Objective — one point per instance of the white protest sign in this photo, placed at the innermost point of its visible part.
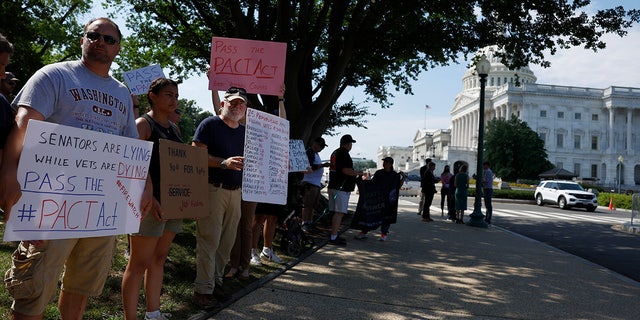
(298, 160)
(77, 183)
(257, 66)
(139, 80)
(266, 158)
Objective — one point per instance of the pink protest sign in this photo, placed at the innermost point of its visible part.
(257, 66)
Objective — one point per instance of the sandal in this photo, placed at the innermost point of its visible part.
(233, 272)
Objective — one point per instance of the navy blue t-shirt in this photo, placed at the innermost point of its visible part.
(224, 142)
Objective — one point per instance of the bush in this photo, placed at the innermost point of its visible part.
(620, 201)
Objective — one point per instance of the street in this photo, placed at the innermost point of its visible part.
(589, 235)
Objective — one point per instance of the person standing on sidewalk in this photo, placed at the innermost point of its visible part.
(312, 181)
(487, 188)
(422, 171)
(391, 182)
(428, 185)
(342, 181)
(461, 183)
(445, 179)
(223, 137)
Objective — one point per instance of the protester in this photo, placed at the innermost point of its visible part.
(150, 246)
(445, 179)
(311, 182)
(49, 96)
(391, 181)
(342, 181)
(266, 217)
(223, 137)
(7, 84)
(487, 189)
(428, 186)
(461, 183)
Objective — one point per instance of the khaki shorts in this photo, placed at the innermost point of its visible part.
(151, 227)
(339, 200)
(33, 278)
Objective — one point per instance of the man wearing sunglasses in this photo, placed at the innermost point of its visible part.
(67, 93)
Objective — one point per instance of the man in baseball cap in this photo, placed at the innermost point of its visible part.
(8, 84)
(346, 139)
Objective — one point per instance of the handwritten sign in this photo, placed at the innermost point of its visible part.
(77, 183)
(257, 66)
(266, 158)
(183, 177)
(139, 80)
(298, 160)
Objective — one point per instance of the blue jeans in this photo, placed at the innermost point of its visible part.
(488, 193)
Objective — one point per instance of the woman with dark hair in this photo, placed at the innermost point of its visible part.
(461, 183)
(150, 246)
(445, 179)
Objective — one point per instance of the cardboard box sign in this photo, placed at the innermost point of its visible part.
(183, 177)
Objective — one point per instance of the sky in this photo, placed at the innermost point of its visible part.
(617, 65)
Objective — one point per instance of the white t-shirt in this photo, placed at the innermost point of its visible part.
(68, 93)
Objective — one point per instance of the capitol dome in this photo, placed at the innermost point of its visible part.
(499, 74)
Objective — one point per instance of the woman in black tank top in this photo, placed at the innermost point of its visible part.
(150, 246)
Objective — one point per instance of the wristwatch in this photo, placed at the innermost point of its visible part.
(223, 164)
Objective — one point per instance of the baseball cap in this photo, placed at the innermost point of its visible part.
(346, 139)
(320, 141)
(387, 159)
(235, 93)
(9, 76)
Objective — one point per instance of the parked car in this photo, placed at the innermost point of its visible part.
(411, 186)
(566, 194)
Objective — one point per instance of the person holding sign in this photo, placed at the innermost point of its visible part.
(312, 181)
(150, 246)
(342, 181)
(223, 137)
(79, 94)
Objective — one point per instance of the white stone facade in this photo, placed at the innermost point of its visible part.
(585, 130)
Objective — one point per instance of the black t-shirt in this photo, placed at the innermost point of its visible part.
(224, 142)
(6, 120)
(341, 159)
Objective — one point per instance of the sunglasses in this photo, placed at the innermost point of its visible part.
(94, 36)
(178, 111)
(233, 90)
(11, 83)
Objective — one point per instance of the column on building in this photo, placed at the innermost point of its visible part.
(629, 124)
(611, 132)
(508, 115)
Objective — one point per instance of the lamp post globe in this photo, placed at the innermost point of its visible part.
(620, 161)
(476, 219)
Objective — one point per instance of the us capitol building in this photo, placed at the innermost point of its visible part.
(588, 131)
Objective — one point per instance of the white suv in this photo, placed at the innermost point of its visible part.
(566, 194)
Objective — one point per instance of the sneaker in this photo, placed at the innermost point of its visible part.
(383, 237)
(220, 294)
(255, 258)
(205, 301)
(162, 316)
(268, 254)
(361, 236)
(339, 241)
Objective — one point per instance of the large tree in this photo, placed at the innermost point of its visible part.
(336, 44)
(514, 150)
(42, 32)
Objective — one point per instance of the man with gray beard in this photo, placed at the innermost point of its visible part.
(223, 137)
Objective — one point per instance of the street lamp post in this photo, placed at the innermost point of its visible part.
(620, 161)
(477, 218)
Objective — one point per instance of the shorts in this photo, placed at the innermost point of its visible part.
(151, 227)
(311, 193)
(339, 201)
(33, 278)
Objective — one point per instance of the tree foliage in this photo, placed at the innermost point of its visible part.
(376, 45)
(514, 150)
(42, 31)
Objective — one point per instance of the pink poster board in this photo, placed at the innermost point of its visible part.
(257, 66)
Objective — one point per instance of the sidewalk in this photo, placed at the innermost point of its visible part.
(440, 270)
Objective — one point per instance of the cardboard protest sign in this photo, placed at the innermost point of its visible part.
(138, 80)
(77, 183)
(298, 160)
(257, 66)
(266, 158)
(183, 177)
